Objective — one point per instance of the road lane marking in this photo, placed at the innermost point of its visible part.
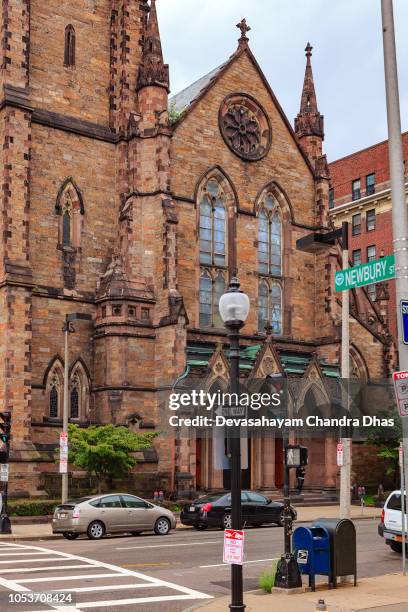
(170, 545)
(245, 563)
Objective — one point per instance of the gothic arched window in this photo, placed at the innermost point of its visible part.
(54, 390)
(79, 393)
(212, 286)
(74, 412)
(66, 228)
(70, 208)
(269, 238)
(213, 225)
(69, 48)
(270, 307)
(53, 397)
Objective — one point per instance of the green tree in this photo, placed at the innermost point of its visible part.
(388, 441)
(106, 451)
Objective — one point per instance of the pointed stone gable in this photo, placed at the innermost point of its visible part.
(267, 362)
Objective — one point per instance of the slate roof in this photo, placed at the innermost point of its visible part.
(184, 98)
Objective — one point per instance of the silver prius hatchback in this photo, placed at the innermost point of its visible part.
(115, 513)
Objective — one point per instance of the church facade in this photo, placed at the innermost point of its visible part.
(136, 209)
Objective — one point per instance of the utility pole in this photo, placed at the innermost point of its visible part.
(345, 470)
(399, 207)
(66, 329)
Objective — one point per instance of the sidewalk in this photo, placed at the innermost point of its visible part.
(42, 531)
(389, 594)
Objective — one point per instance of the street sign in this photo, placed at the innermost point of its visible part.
(340, 454)
(404, 316)
(401, 392)
(234, 546)
(365, 274)
(63, 453)
(4, 472)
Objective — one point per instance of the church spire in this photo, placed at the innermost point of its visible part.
(153, 71)
(309, 122)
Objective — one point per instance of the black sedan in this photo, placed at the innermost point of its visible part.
(214, 510)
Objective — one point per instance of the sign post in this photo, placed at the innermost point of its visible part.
(403, 510)
(234, 546)
(365, 274)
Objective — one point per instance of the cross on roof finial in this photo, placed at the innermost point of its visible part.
(244, 27)
(308, 50)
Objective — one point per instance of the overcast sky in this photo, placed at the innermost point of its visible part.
(198, 35)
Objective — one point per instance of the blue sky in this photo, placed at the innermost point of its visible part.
(198, 35)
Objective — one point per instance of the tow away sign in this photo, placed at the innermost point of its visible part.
(340, 454)
(234, 546)
(401, 392)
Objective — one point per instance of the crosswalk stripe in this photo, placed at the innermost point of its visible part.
(43, 569)
(114, 587)
(21, 554)
(63, 578)
(114, 571)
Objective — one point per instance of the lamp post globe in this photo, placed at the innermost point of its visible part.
(234, 304)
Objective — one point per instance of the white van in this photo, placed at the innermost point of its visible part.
(390, 526)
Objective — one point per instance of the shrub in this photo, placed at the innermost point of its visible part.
(28, 507)
(267, 579)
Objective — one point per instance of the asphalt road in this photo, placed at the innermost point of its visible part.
(156, 573)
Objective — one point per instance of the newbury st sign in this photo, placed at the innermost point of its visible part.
(366, 274)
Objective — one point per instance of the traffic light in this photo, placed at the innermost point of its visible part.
(5, 429)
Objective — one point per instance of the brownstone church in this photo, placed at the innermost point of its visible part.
(135, 208)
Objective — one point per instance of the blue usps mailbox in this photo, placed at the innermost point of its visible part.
(404, 317)
(312, 546)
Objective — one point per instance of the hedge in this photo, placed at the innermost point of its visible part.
(29, 507)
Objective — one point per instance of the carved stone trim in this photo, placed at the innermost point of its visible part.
(245, 127)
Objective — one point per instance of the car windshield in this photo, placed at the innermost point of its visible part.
(210, 497)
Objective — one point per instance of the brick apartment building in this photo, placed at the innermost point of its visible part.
(114, 206)
(360, 194)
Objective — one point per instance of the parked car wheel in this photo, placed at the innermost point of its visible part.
(69, 535)
(227, 521)
(396, 546)
(96, 530)
(135, 533)
(162, 526)
(200, 527)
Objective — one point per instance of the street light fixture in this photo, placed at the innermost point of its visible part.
(68, 328)
(234, 309)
